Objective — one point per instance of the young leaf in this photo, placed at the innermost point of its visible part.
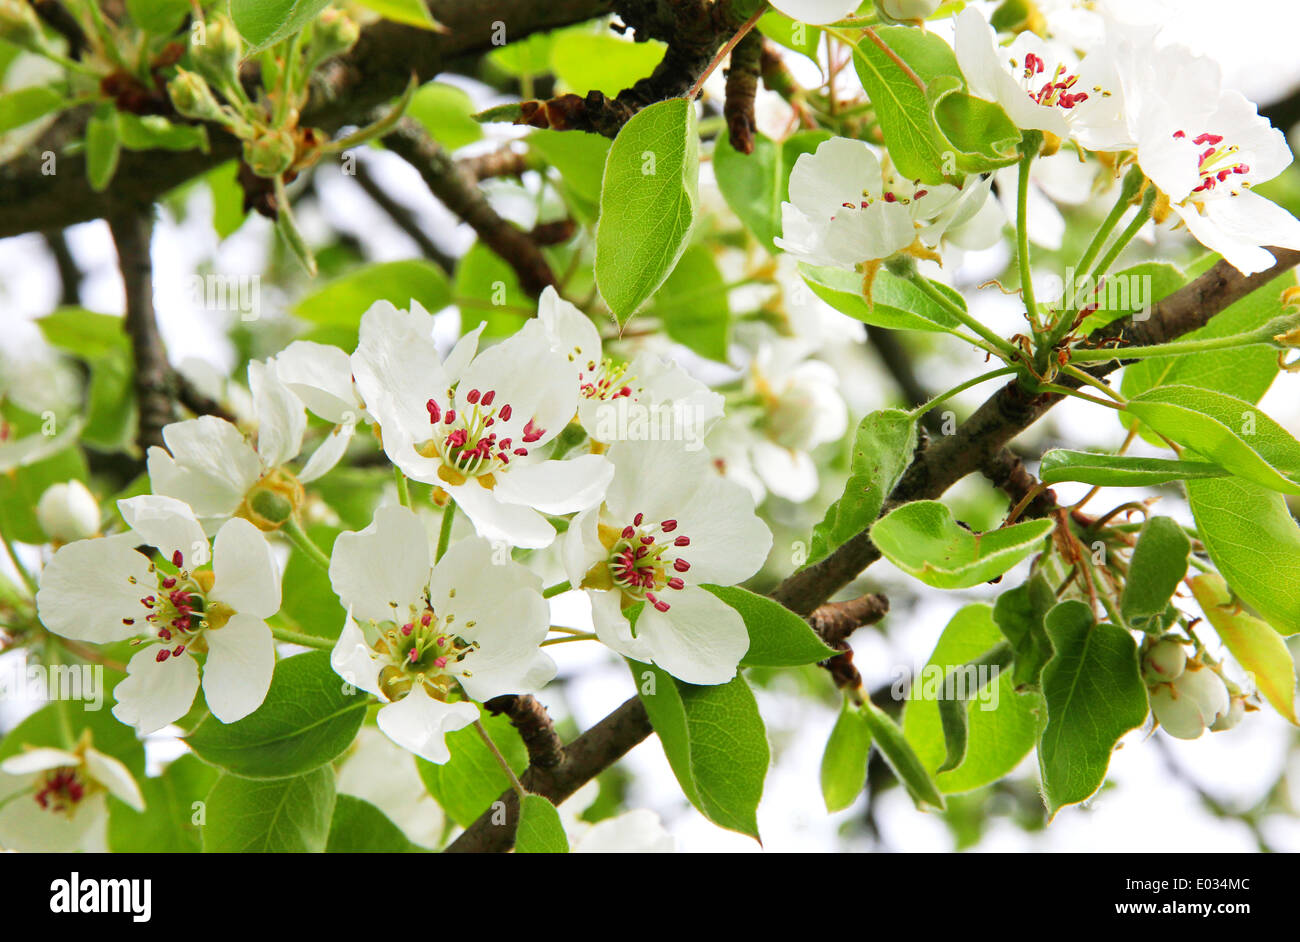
(715, 742)
(283, 815)
(22, 105)
(901, 757)
(882, 448)
(1000, 726)
(340, 304)
(1061, 464)
(446, 113)
(1256, 646)
(103, 147)
(844, 763)
(897, 304)
(1229, 431)
(358, 827)
(1158, 565)
(777, 636)
(981, 133)
(307, 720)
(467, 785)
(648, 204)
(1020, 614)
(263, 23)
(540, 830)
(922, 539)
(1094, 695)
(692, 305)
(410, 12)
(1254, 542)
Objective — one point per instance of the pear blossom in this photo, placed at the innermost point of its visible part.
(320, 375)
(638, 831)
(105, 591)
(68, 511)
(667, 526)
(1042, 85)
(846, 208)
(209, 464)
(56, 799)
(427, 639)
(909, 9)
(611, 395)
(474, 423)
(817, 12)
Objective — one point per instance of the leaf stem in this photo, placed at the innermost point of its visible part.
(298, 536)
(926, 407)
(501, 761)
(304, 640)
(1002, 347)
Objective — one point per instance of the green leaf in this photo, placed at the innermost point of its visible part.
(1158, 565)
(21, 487)
(692, 305)
(410, 12)
(799, 37)
(1229, 431)
(924, 540)
(580, 159)
(898, 752)
(154, 132)
(918, 148)
(358, 827)
(882, 450)
(471, 780)
(777, 636)
(24, 105)
(999, 728)
(263, 23)
(161, 17)
(1020, 614)
(1086, 467)
(981, 133)
(540, 830)
(166, 826)
(103, 147)
(1094, 695)
(648, 204)
(844, 763)
(897, 303)
(341, 303)
(307, 720)
(756, 184)
(602, 62)
(715, 742)
(283, 815)
(446, 113)
(1255, 645)
(487, 289)
(1254, 542)
(228, 212)
(1130, 291)
(307, 596)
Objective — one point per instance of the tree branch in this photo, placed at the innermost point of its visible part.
(403, 218)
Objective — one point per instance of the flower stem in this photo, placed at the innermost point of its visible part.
(304, 640)
(501, 760)
(1005, 349)
(22, 570)
(298, 536)
(553, 590)
(1022, 229)
(444, 533)
(403, 489)
(926, 407)
(582, 636)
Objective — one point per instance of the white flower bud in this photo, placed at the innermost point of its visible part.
(68, 512)
(909, 9)
(1164, 662)
(1236, 712)
(1191, 703)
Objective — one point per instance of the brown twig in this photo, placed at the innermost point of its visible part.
(529, 717)
(742, 86)
(402, 217)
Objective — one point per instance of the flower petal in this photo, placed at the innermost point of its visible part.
(245, 572)
(241, 660)
(156, 693)
(281, 419)
(114, 776)
(557, 487)
(381, 571)
(168, 524)
(87, 592)
(699, 639)
(419, 723)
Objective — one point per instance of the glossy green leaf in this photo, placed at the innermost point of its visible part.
(924, 540)
(1159, 563)
(23, 105)
(777, 636)
(1254, 542)
(580, 159)
(1131, 290)
(901, 757)
(585, 61)
(154, 132)
(410, 12)
(692, 305)
(844, 763)
(162, 17)
(103, 147)
(488, 290)
(983, 137)
(283, 815)
(263, 23)
(358, 827)
(756, 184)
(471, 780)
(341, 303)
(1020, 614)
(648, 204)
(167, 824)
(897, 303)
(1061, 464)
(309, 718)
(882, 450)
(715, 742)
(540, 830)
(446, 113)
(1094, 694)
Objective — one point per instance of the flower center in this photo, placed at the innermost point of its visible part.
(424, 649)
(62, 789)
(606, 380)
(177, 612)
(1055, 91)
(1217, 163)
(639, 563)
(464, 438)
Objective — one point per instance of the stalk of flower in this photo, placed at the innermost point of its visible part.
(429, 639)
(175, 610)
(475, 424)
(667, 525)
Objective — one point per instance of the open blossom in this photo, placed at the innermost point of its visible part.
(209, 465)
(847, 208)
(321, 376)
(817, 11)
(668, 525)
(474, 423)
(105, 590)
(1043, 85)
(611, 395)
(56, 799)
(428, 638)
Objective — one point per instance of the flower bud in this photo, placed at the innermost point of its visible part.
(1164, 662)
(193, 98)
(1236, 712)
(217, 56)
(270, 153)
(334, 34)
(1197, 699)
(908, 9)
(68, 512)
